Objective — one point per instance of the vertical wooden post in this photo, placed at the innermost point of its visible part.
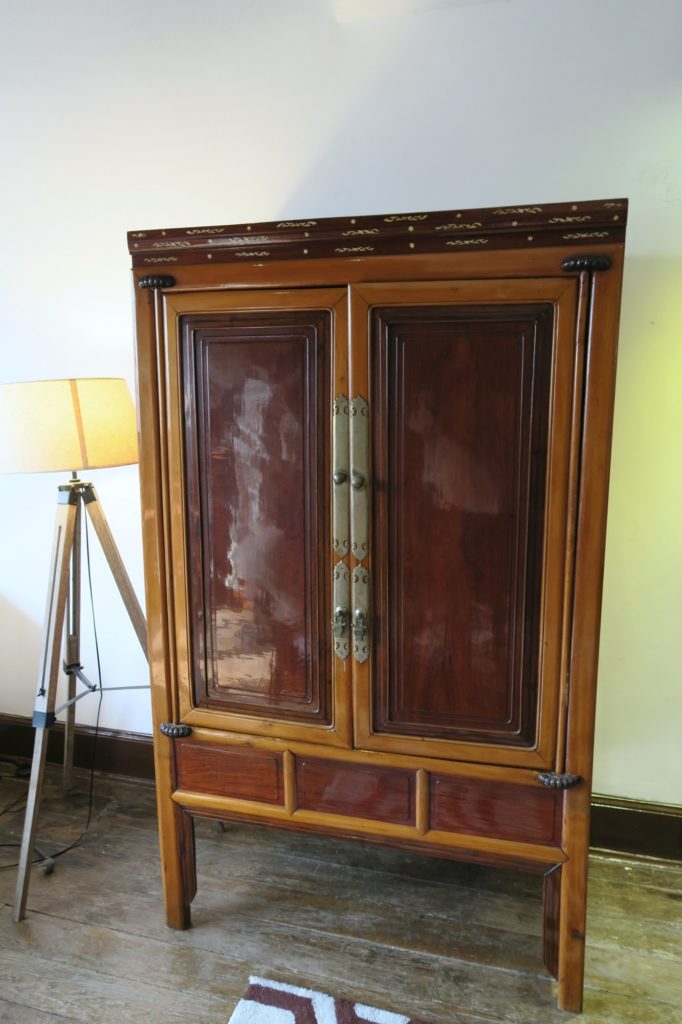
(72, 644)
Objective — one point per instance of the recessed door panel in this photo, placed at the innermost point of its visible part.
(462, 468)
(257, 427)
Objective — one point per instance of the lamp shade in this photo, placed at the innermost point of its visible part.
(52, 425)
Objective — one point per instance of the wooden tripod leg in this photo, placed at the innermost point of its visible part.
(72, 644)
(50, 654)
(132, 605)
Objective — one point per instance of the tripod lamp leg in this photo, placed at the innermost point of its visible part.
(50, 654)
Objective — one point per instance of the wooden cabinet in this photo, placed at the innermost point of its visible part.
(374, 459)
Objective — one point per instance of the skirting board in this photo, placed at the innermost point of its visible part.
(618, 826)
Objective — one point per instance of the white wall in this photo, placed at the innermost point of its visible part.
(133, 115)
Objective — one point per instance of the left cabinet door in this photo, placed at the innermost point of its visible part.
(251, 381)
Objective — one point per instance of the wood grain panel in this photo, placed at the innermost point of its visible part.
(498, 810)
(460, 417)
(257, 390)
(362, 791)
(236, 772)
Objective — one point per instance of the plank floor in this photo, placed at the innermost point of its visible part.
(452, 943)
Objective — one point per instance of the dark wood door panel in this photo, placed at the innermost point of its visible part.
(257, 407)
(459, 412)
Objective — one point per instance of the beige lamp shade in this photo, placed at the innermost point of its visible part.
(52, 425)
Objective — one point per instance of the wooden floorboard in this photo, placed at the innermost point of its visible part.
(452, 943)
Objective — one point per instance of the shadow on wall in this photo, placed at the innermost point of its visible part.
(20, 657)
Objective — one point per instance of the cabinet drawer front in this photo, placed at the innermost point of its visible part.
(237, 772)
(356, 791)
(498, 810)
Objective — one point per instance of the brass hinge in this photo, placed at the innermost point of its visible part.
(555, 780)
(591, 262)
(175, 731)
(156, 281)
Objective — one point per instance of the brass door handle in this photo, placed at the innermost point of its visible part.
(359, 495)
(341, 606)
(360, 624)
(340, 474)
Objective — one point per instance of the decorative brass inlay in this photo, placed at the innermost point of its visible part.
(171, 245)
(240, 240)
(160, 259)
(397, 218)
(460, 227)
(361, 231)
(614, 206)
(518, 209)
(569, 220)
(297, 224)
(355, 248)
(586, 234)
(468, 241)
(138, 234)
(263, 252)
(204, 231)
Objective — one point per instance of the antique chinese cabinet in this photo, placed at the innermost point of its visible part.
(374, 460)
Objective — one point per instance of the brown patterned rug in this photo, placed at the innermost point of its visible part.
(272, 1002)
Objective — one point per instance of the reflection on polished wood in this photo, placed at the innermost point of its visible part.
(465, 396)
(256, 443)
(488, 376)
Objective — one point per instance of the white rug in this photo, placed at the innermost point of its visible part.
(272, 1002)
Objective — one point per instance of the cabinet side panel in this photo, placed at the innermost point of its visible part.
(257, 410)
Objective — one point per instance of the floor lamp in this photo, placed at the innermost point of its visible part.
(51, 426)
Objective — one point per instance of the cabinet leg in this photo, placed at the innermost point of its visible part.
(551, 899)
(178, 864)
(565, 890)
(188, 858)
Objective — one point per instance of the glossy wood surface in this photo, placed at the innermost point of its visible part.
(457, 780)
(230, 771)
(460, 428)
(601, 346)
(362, 791)
(533, 462)
(499, 810)
(489, 229)
(257, 389)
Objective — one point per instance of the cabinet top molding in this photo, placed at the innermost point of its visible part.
(576, 225)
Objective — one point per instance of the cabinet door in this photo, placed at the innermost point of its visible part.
(252, 377)
(470, 392)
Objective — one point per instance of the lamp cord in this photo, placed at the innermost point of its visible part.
(12, 805)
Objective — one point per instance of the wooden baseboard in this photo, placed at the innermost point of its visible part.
(118, 753)
(635, 826)
(618, 826)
